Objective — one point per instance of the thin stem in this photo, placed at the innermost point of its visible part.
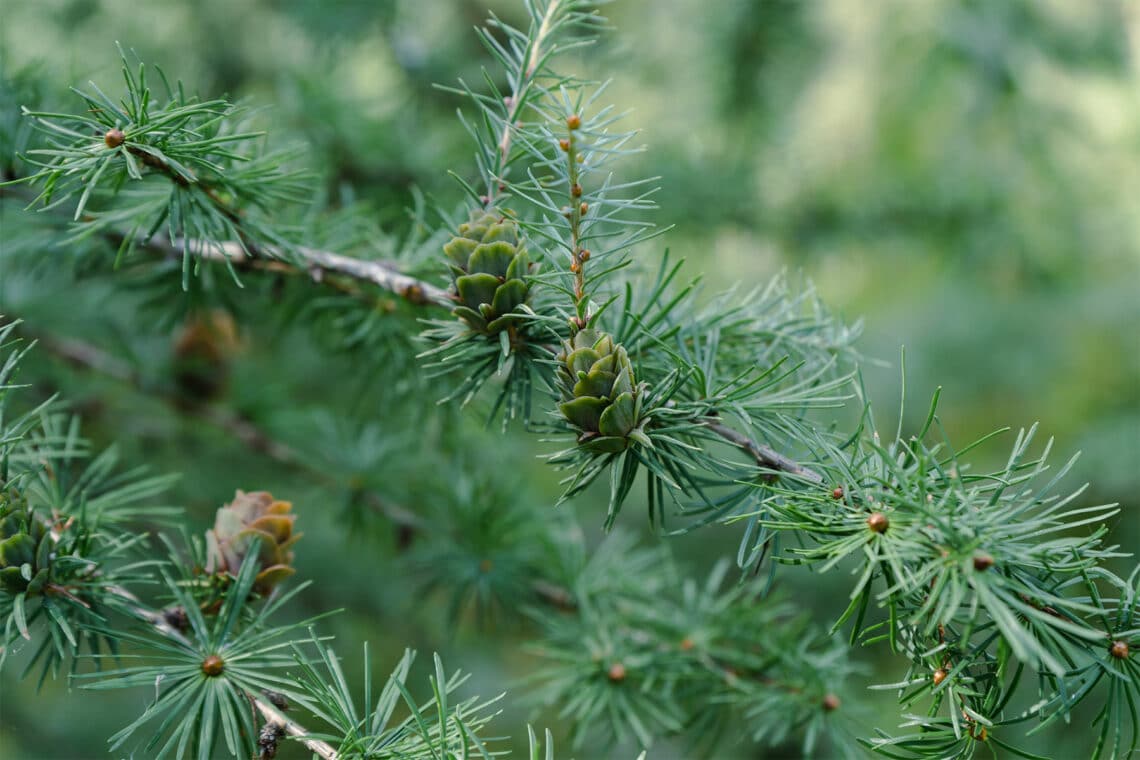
(316, 263)
(314, 260)
(765, 456)
(578, 255)
(292, 728)
(517, 99)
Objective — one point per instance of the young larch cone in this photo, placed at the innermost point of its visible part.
(253, 522)
(600, 396)
(489, 264)
(25, 549)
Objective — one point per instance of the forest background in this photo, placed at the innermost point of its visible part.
(962, 176)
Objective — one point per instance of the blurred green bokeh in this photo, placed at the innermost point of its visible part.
(963, 176)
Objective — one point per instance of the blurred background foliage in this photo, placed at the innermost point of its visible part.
(963, 176)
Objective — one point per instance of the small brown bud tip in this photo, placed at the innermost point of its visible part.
(566, 211)
(837, 494)
(502, 186)
(983, 562)
(213, 666)
(584, 254)
(574, 267)
(878, 522)
(686, 644)
(831, 703)
(939, 676)
(616, 672)
(114, 137)
(176, 618)
(583, 208)
(1119, 649)
(485, 566)
(573, 121)
(576, 190)
(564, 144)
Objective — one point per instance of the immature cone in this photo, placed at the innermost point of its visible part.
(599, 394)
(253, 522)
(489, 264)
(203, 350)
(25, 551)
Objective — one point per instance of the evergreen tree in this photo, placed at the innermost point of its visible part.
(531, 309)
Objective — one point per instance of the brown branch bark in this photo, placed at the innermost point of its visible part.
(765, 456)
(317, 264)
(315, 261)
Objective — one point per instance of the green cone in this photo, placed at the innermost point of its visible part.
(489, 265)
(252, 516)
(600, 396)
(25, 550)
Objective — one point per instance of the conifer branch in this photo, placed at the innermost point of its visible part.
(516, 102)
(316, 263)
(86, 356)
(765, 456)
(269, 711)
(291, 727)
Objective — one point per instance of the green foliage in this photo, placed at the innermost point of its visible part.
(745, 411)
(649, 650)
(208, 165)
(435, 728)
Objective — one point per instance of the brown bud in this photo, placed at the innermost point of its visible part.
(566, 212)
(1119, 649)
(114, 137)
(983, 562)
(584, 254)
(616, 672)
(176, 618)
(574, 267)
(576, 190)
(583, 208)
(831, 703)
(686, 644)
(878, 522)
(485, 566)
(564, 144)
(276, 698)
(837, 494)
(939, 676)
(213, 666)
(573, 121)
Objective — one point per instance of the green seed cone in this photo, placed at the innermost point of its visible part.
(599, 394)
(25, 550)
(237, 528)
(489, 264)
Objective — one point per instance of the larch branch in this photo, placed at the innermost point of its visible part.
(765, 456)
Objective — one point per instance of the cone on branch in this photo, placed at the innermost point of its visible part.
(26, 550)
(600, 395)
(205, 346)
(489, 264)
(253, 522)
